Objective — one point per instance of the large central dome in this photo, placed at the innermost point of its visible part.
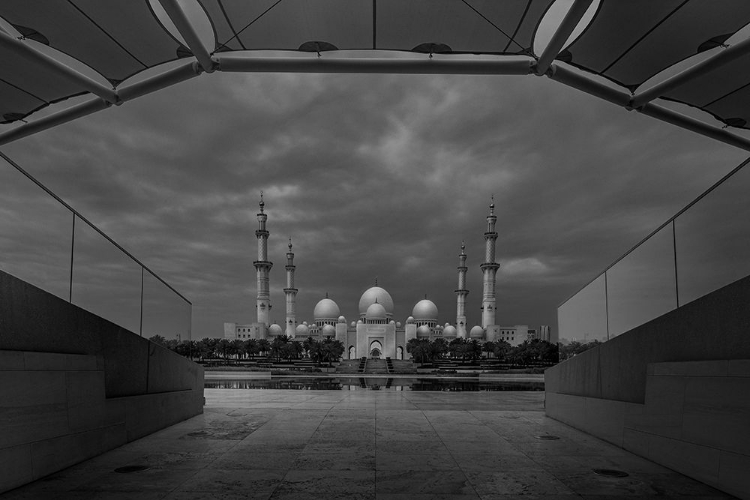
(326, 309)
(375, 294)
(425, 310)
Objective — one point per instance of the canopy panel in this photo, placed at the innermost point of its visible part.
(470, 26)
(629, 42)
(117, 39)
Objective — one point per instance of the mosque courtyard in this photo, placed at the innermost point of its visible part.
(279, 444)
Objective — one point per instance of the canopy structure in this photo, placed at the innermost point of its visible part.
(632, 53)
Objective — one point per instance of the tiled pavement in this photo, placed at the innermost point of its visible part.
(283, 444)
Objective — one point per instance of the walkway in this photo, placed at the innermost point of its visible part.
(366, 444)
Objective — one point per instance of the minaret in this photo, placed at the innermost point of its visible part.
(461, 294)
(263, 268)
(291, 293)
(489, 269)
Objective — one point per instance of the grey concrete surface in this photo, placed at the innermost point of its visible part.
(282, 444)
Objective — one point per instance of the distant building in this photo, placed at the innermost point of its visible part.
(375, 333)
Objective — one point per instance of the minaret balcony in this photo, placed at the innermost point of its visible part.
(290, 267)
(291, 290)
(463, 268)
(462, 291)
(488, 234)
(259, 264)
(489, 265)
(261, 232)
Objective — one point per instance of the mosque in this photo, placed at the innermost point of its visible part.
(376, 333)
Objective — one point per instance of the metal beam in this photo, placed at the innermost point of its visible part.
(187, 30)
(27, 51)
(716, 61)
(161, 81)
(423, 66)
(697, 126)
(53, 120)
(130, 92)
(562, 33)
(585, 84)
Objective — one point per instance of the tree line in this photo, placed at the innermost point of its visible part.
(279, 348)
(425, 350)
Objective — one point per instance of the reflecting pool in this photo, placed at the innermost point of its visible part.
(377, 384)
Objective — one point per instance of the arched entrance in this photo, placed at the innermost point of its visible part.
(352, 352)
(399, 352)
(376, 349)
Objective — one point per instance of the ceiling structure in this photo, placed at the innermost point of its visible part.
(54, 50)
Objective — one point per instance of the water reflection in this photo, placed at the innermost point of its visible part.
(377, 384)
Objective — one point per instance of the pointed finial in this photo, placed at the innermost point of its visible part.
(326, 294)
(425, 296)
(463, 246)
(376, 282)
(492, 204)
(290, 243)
(262, 203)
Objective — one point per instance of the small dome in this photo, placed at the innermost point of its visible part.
(423, 332)
(359, 321)
(477, 332)
(391, 322)
(376, 311)
(305, 323)
(450, 331)
(275, 330)
(398, 324)
(326, 309)
(328, 331)
(342, 319)
(425, 310)
(354, 323)
(301, 330)
(410, 319)
(373, 295)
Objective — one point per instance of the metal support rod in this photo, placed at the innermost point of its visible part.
(27, 51)
(584, 84)
(187, 30)
(716, 61)
(163, 80)
(697, 126)
(160, 81)
(561, 35)
(64, 116)
(423, 66)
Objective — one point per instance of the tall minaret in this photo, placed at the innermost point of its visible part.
(263, 268)
(461, 294)
(291, 293)
(489, 268)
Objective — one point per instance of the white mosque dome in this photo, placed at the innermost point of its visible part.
(423, 331)
(354, 323)
(275, 330)
(450, 331)
(376, 311)
(477, 332)
(425, 310)
(301, 330)
(373, 295)
(398, 324)
(342, 319)
(326, 309)
(410, 319)
(328, 331)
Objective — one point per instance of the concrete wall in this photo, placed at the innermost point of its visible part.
(695, 420)
(675, 390)
(716, 326)
(73, 385)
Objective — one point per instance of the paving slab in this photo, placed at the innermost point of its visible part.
(287, 444)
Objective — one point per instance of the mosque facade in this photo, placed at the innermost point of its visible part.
(375, 332)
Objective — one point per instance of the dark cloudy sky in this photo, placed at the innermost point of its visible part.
(371, 175)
